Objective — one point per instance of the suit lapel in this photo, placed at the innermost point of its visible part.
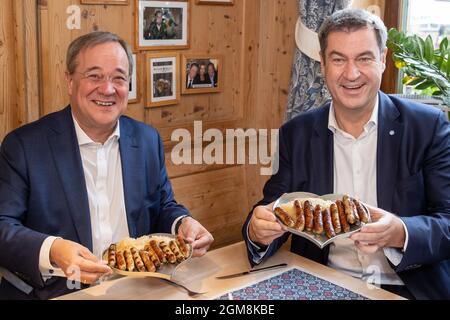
(132, 171)
(66, 154)
(321, 147)
(390, 132)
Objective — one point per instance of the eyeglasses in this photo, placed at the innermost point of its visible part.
(118, 80)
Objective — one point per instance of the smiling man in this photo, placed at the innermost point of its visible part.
(82, 178)
(392, 154)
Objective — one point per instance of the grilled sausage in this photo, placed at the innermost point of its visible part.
(342, 217)
(167, 252)
(121, 264)
(300, 222)
(284, 217)
(363, 215)
(355, 212)
(137, 260)
(183, 247)
(129, 260)
(351, 219)
(147, 261)
(318, 224)
(158, 251)
(327, 223)
(308, 210)
(335, 218)
(154, 257)
(176, 251)
(112, 256)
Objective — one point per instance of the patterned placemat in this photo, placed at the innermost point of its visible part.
(293, 284)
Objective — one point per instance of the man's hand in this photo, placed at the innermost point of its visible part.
(263, 227)
(386, 230)
(77, 262)
(195, 234)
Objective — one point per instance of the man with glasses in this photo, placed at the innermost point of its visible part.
(392, 154)
(82, 178)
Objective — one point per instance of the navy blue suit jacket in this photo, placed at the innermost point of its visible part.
(43, 192)
(413, 181)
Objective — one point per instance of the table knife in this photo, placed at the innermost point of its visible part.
(239, 274)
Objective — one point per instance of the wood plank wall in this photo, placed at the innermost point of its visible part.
(256, 39)
(8, 100)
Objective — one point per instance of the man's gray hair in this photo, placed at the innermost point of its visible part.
(348, 20)
(93, 39)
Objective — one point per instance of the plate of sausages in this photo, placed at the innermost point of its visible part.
(155, 255)
(321, 219)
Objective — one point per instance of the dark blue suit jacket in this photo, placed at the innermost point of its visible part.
(413, 181)
(43, 192)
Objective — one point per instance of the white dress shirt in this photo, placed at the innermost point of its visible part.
(355, 173)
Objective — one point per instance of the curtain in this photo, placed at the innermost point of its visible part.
(307, 88)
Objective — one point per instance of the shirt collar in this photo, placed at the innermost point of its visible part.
(333, 125)
(84, 139)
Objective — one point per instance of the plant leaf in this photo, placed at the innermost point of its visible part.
(415, 81)
(443, 45)
(424, 85)
(428, 49)
(448, 65)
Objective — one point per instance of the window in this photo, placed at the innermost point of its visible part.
(425, 18)
(431, 17)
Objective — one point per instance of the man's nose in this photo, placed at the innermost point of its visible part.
(106, 87)
(351, 71)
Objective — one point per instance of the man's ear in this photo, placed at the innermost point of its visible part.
(383, 58)
(69, 82)
(322, 65)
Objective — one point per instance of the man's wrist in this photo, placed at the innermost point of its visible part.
(178, 224)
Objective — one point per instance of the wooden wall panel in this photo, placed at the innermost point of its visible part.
(216, 199)
(27, 63)
(8, 89)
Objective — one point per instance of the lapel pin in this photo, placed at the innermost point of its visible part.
(391, 133)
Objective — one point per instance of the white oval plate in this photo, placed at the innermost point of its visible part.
(165, 271)
(320, 240)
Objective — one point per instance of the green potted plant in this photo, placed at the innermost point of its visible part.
(425, 68)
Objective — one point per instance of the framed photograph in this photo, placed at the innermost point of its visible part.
(201, 73)
(122, 2)
(223, 2)
(133, 93)
(162, 24)
(163, 85)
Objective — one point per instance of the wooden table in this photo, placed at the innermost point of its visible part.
(199, 274)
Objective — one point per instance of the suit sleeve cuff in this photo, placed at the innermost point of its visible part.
(45, 267)
(174, 228)
(406, 236)
(255, 250)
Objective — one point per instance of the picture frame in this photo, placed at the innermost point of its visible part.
(215, 2)
(162, 25)
(113, 2)
(208, 76)
(133, 91)
(163, 73)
